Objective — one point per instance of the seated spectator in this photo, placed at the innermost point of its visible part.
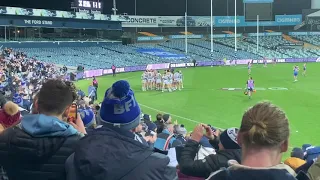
(311, 152)
(180, 133)
(228, 150)
(38, 147)
(166, 140)
(161, 121)
(151, 134)
(296, 159)
(314, 171)
(263, 136)
(86, 114)
(113, 151)
(9, 115)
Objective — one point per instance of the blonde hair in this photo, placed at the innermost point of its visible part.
(264, 124)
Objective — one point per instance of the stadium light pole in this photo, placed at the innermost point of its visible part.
(235, 26)
(257, 34)
(186, 28)
(211, 28)
(135, 7)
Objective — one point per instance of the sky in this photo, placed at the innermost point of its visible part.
(167, 7)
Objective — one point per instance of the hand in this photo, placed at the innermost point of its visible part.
(197, 133)
(217, 132)
(209, 132)
(78, 124)
(176, 122)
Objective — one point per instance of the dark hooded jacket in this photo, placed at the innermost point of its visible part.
(211, 163)
(239, 172)
(38, 148)
(115, 154)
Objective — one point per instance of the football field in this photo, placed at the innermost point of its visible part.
(215, 95)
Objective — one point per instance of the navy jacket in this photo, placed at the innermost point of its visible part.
(238, 172)
(114, 154)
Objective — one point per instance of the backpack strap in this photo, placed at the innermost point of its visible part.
(167, 143)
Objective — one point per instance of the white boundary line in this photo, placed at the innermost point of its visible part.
(181, 117)
(188, 119)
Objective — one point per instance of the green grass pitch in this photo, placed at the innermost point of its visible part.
(202, 99)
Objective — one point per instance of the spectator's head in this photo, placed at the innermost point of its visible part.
(180, 130)
(87, 116)
(9, 115)
(167, 118)
(147, 118)
(159, 117)
(264, 130)
(151, 133)
(55, 98)
(120, 108)
(297, 153)
(228, 139)
(169, 127)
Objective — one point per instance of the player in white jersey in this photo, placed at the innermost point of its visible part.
(144, 81)
(154, 74)
(170, 81)
(150, 77)
(176, 81)
(158, 81)
(181, 79)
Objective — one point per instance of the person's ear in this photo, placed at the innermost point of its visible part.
(284, 146)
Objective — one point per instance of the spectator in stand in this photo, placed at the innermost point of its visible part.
(113, 151)
(2, 99)
(151, 134)
(96, 85)
(17, 99)
(263, 136)
(113, 70)
(9, 115)
(92, 91)
(38, 147)
(161, 121)
(180, 133)
(166, 140)
(296, 159)
(311, 152)
(228, 149)
(86, 114)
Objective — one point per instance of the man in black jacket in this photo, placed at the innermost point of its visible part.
(38, 147)
(114, 151)
(228, 150)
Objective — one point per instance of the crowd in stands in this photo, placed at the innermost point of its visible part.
(114, 140)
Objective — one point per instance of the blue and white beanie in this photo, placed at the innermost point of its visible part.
(119, 107)
(87, 116)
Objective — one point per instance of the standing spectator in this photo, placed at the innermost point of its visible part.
(166, 140)
(38, 147)
(228, 150)
(17, 99)
(113, 70)
(92, 91)
(180, 132)
(2, 99)
(263, 136)
(113, 151)
(151, 134)
(96, 85)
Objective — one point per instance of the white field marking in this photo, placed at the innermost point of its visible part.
(181, 117)
(188, 119)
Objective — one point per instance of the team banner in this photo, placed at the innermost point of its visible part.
(141, 21)
(180, 21)
(225, 35)
(161, 53)
(189, 36)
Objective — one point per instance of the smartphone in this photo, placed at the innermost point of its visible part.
(73, 111)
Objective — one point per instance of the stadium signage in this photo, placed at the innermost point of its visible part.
(38, 22)
(266, 34)
(225, 35)
(304, 33)
(190, 36)
(182, 65)
(150, 38)
(141, 21)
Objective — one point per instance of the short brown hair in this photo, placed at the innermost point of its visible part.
(264, 124)
(55, 96)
